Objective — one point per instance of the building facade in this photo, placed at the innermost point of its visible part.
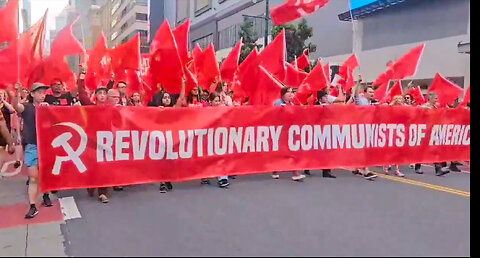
(381, 31)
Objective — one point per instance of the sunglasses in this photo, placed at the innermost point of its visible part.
(407, 97)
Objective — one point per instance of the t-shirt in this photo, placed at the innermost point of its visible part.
(331, 99)
(362, 101)
(64, 100)
(280, 102)
(29, 126)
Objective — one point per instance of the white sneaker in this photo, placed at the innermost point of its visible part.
(275, 176)
(298, 178)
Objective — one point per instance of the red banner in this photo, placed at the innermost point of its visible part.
(82, 147)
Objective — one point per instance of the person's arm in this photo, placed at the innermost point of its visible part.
(111, 82)
(6, 135)
(82, 93)
(355, 90)
(16, 99)
(9, 107)
(182, 95)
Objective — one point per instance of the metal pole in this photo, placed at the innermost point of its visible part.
(267, 18)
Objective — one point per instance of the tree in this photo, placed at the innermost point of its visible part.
(295, 38)
(250, 37)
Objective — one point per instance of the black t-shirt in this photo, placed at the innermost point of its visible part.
(64, 100)
(29, 127)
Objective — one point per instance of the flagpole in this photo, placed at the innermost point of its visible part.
(353, 29)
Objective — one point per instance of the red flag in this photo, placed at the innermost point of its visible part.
(267, 90)
(316, 79)
(65, 44)
(246, 79)
(381, 92)
(417, 95)
(466, 98)
(21, 56)
(126, 56)
(294, 9)
(346, 72)
(207, 67)
(293, 76)
(302, 94)
(165, 63)
(181, 38)
(191, 81)
(99, 68)
(230, 64)
(351, 63)
(302, 62)
(407, 65)
(272, 57)
(51, 69)
(395, 90)
(447, 91)
(326, 68)
(9, 21)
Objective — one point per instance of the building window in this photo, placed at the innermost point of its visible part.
(204, 41)
(141, 16)
(229, 36)
(182, 11)
(202, 6)
(115, 8)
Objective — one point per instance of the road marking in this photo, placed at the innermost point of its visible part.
(427, 185)
(69, 208)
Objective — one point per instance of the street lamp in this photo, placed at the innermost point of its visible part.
(266, 18)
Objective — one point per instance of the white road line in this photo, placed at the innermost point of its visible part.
(69, 208)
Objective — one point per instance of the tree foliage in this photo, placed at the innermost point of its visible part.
(296, 37)
(250, 37)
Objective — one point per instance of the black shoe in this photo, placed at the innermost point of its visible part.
(169, 186)
(205, 182)
(356, 172)
(454, 168)
(163, 188)
(54, 192)
(32, 212)
(369, 176)
(118, 188)
(223, 183)
(307, 172)
(46, 201)
(232, 177)
(328, 175)
(17, 164)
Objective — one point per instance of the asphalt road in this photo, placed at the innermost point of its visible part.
(259, 216)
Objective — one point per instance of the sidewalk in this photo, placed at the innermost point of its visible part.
(40, 236)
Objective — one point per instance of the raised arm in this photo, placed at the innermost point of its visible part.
(82, 93)
(111, 82)
(16, 98)
(182, 95)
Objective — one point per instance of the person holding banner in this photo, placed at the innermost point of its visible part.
(286, 99)
(440, 168)
(363, 99)
(59, 99)
(397, 101)
(28, 113)
(101, 97)
(222, 90)
(194, 99)
(216, 101)
(165, 100)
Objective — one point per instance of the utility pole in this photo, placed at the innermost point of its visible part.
(267, 18)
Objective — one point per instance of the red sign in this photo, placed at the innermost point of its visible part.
(145, 64)
(89, 146)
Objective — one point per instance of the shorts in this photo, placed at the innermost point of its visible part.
(31, 155)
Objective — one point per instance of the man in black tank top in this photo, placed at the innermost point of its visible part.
(27, 112)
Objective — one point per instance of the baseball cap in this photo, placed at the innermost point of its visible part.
(38, 85)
